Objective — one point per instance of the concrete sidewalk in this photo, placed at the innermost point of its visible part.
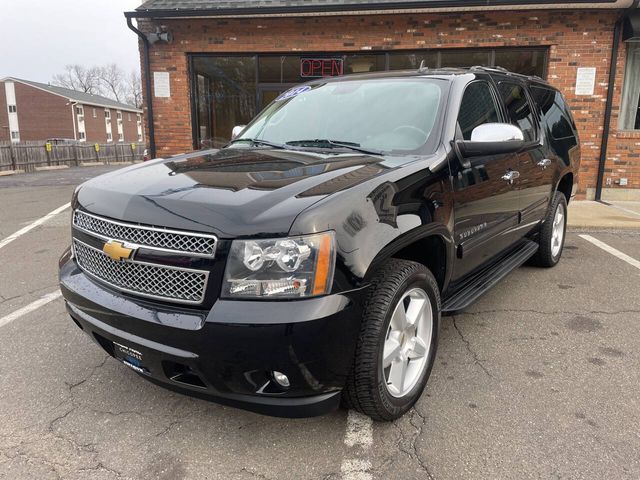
(596, 215)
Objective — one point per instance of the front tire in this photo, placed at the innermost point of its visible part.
(398, 340)
(552, 233)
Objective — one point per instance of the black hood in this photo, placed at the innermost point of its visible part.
(231, 192)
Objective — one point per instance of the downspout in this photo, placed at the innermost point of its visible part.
(613, 66)
(73, 118)
(147, 84)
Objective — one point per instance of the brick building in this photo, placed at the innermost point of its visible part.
(210, 65)
(32, 111)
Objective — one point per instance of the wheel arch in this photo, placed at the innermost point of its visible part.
(565, 185)
(432, 246)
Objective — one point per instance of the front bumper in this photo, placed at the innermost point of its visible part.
(227, 354)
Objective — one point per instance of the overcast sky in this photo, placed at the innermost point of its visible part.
(39, 37)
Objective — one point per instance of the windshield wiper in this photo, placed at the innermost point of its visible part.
(327, 143)
(258, 141)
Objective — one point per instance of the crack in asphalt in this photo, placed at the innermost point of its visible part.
(31, 458)
(90, 448)
(331, 476)
(102, 467)
(71, 386)
(412, 451)
(55, 432)
(415, 412)
(471, 351)
(254, 474)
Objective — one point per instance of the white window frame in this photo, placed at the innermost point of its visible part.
(119, 115)
(14, 124)
(109, 137)
(107, 113)
(12, 108)
(630, 100)
(82, 136)
(95, 113)
(79, 110)
(121, 137)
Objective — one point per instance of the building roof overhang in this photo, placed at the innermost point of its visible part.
(174, 9)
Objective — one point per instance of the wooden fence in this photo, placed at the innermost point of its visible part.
(29, 156)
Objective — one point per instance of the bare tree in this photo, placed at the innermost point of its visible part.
(107, 80)
(112, 82)
(80, 78)
(134, 89)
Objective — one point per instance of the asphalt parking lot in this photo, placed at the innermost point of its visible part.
(539, 379)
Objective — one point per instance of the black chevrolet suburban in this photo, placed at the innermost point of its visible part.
(310, 260)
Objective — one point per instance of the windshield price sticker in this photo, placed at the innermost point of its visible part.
(293, 92)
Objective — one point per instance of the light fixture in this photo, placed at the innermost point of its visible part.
(160, 35)
(281, 379)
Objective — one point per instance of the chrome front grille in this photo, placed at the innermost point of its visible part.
(190, 243)
(146, 279)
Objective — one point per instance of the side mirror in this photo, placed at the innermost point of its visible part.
(491, 139)
(237, 130)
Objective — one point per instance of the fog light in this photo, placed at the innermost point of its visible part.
(281, 379)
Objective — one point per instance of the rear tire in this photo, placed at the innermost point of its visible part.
(398, 340)
(552, 233)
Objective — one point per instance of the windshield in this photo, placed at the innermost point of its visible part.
(381, 115)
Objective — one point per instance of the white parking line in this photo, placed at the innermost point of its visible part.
(49, 297)
(355, 469)
(616, 253)
(359, 430)
(33, 225)
(359, 433)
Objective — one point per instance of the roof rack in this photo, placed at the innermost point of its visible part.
(424, 68)
(505, 71)
(490, 69)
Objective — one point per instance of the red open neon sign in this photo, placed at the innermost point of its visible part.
(320, 67)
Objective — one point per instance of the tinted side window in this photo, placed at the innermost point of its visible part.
(477, 107)
(518, 108)
(555, 112)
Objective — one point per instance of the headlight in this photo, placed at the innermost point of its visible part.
(280, 267)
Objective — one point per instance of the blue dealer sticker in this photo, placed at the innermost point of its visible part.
(293, 92)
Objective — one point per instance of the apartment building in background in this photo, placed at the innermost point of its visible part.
(33, 111)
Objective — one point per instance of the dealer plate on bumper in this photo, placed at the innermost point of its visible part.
(131, 357)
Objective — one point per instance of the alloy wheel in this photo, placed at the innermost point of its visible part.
(407, 343)
(557, 231)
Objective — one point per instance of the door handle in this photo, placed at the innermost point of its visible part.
(544, 163)
(510, 176)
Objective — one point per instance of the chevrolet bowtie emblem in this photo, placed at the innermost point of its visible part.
(117, 250)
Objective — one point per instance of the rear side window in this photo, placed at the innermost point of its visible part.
(555, 113)
(477, 107)
(518, 108)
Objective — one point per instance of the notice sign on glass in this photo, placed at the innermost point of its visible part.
(320, 67)
(585, 80)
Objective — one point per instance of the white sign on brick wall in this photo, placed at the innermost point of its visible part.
(585, 80)
(161, 85)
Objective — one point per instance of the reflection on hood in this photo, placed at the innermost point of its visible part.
(237, 168)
